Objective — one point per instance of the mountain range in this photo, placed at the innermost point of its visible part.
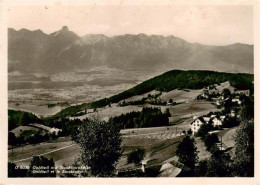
(64, 50)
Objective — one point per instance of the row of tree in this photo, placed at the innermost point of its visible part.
(148, 117)
(17, 118)
(38, 137)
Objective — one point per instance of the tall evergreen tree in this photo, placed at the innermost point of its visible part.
(244, 150)
(187, 152)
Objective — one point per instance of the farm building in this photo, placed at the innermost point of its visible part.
(55, 130)
(90, 111)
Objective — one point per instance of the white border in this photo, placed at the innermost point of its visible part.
(122, 181)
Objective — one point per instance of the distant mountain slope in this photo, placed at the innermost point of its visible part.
(175, 79)
(64, 50)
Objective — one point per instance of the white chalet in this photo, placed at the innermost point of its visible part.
(196, 124)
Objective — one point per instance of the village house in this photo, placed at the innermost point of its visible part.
(216, 121)
(236, 100)
(218, 102)
(213, 116)
(222, 118)
(90, 111)
(55, 130)
(245, 92)
(206, 119)
(197, 122)
(205, 95)
(232, 113)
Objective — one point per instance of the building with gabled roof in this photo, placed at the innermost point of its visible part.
(196, 124)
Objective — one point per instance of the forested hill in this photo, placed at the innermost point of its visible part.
(178, 79)
(175, 79)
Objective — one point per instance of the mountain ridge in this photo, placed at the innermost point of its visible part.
(64, 50)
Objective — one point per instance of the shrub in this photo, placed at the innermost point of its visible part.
(210, 141)
(136, 156)
(41, 161)
(203, 131)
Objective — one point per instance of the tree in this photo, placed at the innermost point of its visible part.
(189, 132)
(201, 168)
(136, 156)
(228, 105)
(210, 141)
(230, 122)
(11, 138)
(187, 152)
(167, 112)
(99, 146)
(226, 93)
(244, 150)
(41, 161)
(203, 130)
(247, 112)
(25, 119)
(219, 165)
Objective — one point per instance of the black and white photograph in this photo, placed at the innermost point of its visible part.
(124, 90)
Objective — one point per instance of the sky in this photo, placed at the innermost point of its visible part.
(210, 25)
